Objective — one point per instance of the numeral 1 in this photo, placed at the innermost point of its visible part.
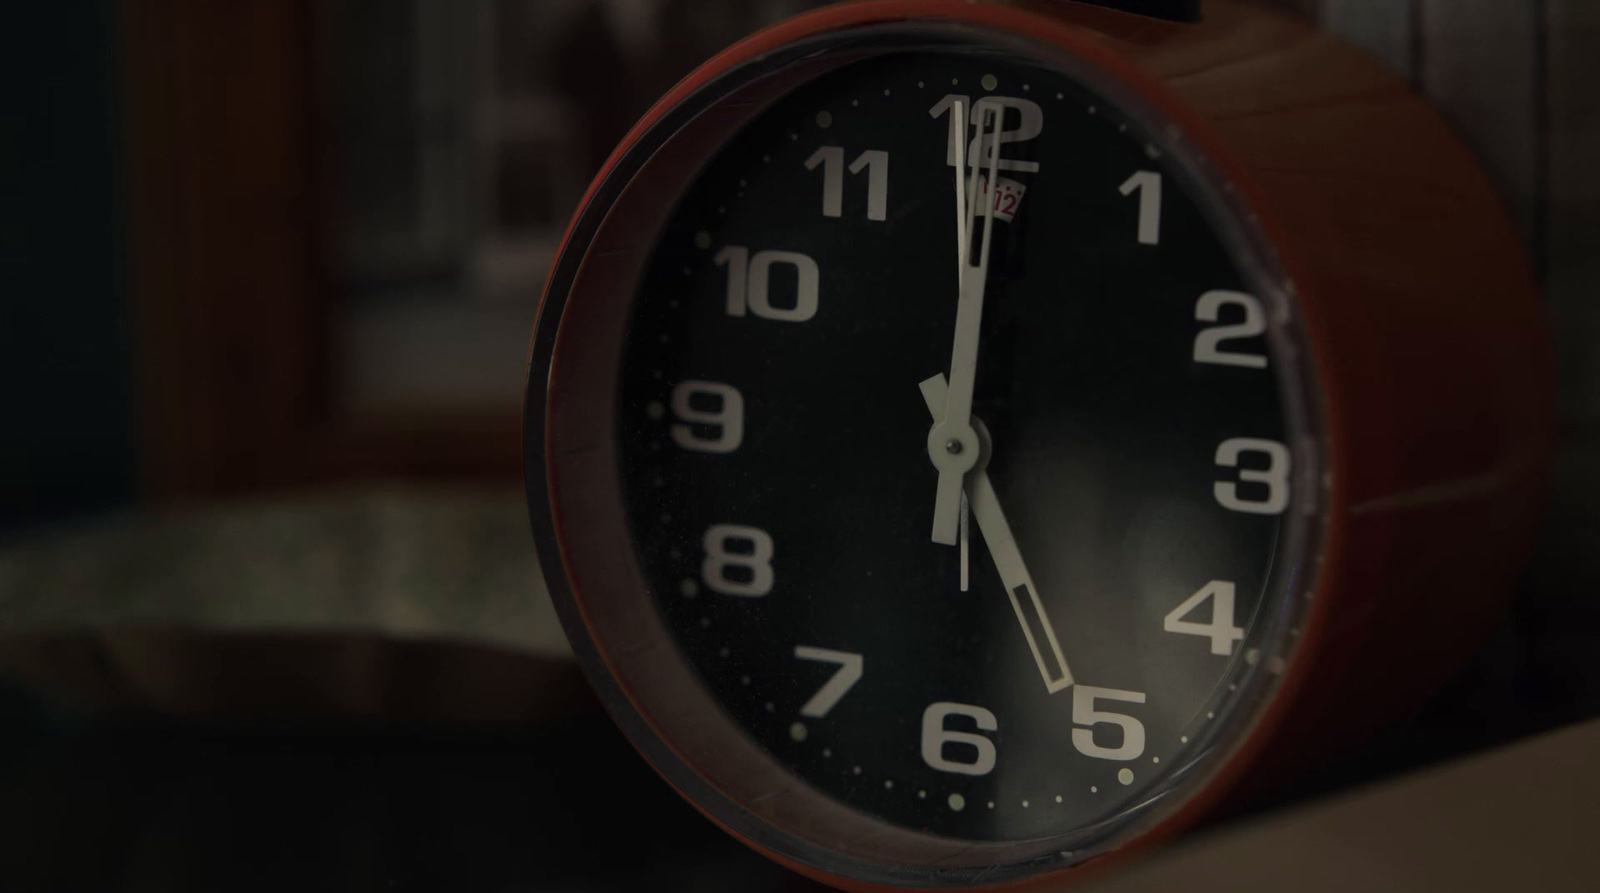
(1148, 185)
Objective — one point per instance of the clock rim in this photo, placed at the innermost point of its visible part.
(1063, 39)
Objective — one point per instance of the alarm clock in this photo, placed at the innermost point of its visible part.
(964, 441)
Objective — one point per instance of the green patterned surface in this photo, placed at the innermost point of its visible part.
(405, 563)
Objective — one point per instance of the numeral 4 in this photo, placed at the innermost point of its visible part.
(832, 160)
(837, 686)
(1220, 630)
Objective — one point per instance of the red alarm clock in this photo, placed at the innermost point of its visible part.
(965, 440)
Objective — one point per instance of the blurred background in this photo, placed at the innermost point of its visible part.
(269, 609)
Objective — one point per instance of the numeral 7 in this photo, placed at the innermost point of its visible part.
(827, 696)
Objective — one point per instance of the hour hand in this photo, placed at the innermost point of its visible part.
(1024, 596)
(952, 443)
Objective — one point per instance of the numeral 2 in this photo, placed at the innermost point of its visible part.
(1208, 343)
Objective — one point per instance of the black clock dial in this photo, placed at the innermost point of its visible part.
(790, 345)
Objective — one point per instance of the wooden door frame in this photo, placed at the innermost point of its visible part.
(233, 293)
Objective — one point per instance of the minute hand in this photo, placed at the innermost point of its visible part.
(1008, 560)
(952, 443)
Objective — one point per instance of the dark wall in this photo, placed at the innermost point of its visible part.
(66, 389)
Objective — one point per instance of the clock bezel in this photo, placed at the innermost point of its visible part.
(598, 587)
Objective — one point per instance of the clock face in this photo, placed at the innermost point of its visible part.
(967, 504)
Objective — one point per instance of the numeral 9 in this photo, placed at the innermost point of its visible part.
(727, 419)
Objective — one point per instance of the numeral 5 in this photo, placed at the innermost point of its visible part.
(1085, 714)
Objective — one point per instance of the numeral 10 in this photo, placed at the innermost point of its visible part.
(749, 279)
